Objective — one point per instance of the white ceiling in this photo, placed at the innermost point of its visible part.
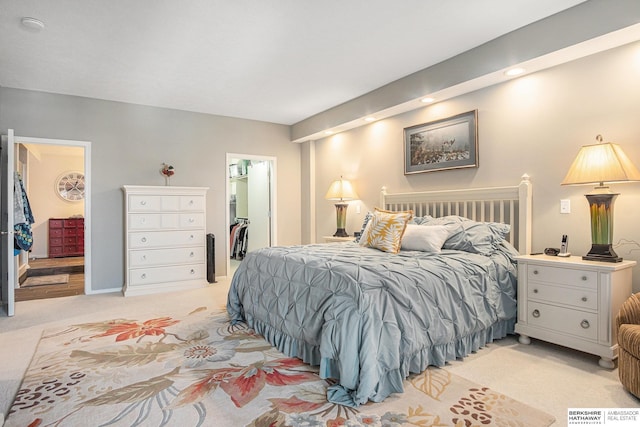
(279, 61)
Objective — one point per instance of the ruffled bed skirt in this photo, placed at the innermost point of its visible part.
(392, 380)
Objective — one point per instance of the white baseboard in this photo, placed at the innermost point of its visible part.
(104, 291)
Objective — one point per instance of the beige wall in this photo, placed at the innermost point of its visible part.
(534, 125)
(128, 145)
(43, 172)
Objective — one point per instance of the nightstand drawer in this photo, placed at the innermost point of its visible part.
(581, 298)
(563, 320)
(563, 276)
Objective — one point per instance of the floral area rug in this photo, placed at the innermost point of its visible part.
(195, 369)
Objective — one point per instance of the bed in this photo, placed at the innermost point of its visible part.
(370, 318)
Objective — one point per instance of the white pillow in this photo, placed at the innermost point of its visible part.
(425, 238)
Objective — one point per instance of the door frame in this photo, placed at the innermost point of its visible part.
(87, 199)
(8, 269)
(272, 201)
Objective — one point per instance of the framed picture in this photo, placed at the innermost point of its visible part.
(450, 143)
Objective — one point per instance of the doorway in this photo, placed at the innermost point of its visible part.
(56, 176)
(251, 198)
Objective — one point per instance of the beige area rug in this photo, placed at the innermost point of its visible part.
(54, 279)
(195, 369)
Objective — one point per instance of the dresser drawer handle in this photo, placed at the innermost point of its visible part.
(536, 313)
(585, 324)
(584, 278)
(191, 254)
(143, 240)
(535, 291)
(191, 202)
(193, 271)
(192, 220)
(144, 257)
(143, 202)
(191, 237)
(535, 271)
(584, 299)
(143, 276)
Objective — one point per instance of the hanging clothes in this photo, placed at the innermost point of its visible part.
(238, 238)
(22, 216)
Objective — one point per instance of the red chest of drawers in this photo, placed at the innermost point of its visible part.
(66, 237)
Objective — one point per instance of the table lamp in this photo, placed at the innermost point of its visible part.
(599, 164)
(342, 191)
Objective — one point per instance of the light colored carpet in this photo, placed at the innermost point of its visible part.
(193, 369)
(542, 375)
(54, 279)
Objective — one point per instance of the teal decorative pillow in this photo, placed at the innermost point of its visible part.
(471, 236)
(366, 220)
(419, 220)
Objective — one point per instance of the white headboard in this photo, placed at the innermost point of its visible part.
(509, 205)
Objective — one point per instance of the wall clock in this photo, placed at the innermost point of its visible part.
(70, 186)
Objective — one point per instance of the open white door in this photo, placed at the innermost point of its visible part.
(259, 204)
(8, 276)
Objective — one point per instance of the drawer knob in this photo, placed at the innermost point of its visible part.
(144, 202)
(191, 237)
(535, 271)
(144, 240)
(193, 271)
(584, 299)
(535, 291)
(191, 254)
(192, 220)
(144, 257)
(584, 278)
(536, 313)
(585, 324)
(191, 202)
(143, 276)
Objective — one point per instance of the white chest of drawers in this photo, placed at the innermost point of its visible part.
(165, 242)
(571, 302)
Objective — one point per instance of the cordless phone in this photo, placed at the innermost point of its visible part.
(564, 246)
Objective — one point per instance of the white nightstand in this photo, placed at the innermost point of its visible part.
(571, 302)
(334, 239)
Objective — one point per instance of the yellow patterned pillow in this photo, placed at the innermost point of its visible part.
(385, 229)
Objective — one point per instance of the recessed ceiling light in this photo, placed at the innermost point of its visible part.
(514, 72)
(369, 119)
(427, 100)
(32, 24)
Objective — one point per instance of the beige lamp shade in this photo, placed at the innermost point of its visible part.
(600, 163)
(341, 190)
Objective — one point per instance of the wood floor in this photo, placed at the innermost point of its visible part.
(74, 266)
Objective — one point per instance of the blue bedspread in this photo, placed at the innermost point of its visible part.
(369, 318)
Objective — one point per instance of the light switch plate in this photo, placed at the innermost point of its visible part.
(565, 206)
